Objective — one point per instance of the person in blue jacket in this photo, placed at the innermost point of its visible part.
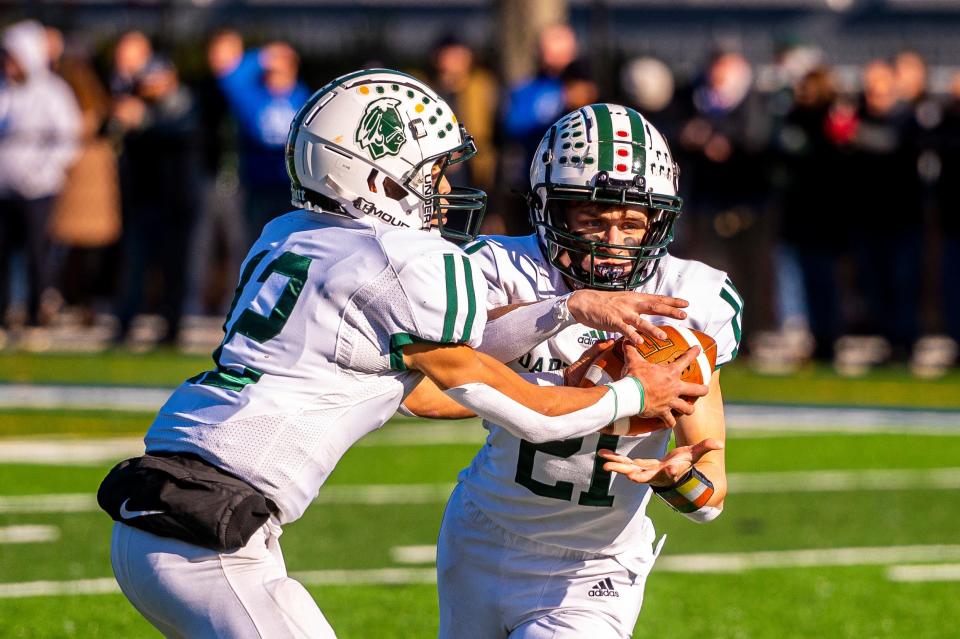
(263, 91)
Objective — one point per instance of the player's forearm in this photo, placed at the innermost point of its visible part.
(427, 400)
(707, 422)
(513, 332)
(535, 413)
(619, 398)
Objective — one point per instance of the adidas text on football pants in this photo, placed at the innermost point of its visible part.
(187, 591)
(494, 584)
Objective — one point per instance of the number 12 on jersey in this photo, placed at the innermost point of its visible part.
(259, 328)
(599, 492)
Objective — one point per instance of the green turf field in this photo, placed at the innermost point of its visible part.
(890, 386)
(905, 524)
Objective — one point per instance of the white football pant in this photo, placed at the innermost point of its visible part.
(494, 584)
(187, 591)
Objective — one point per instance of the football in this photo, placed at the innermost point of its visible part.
(609, 367)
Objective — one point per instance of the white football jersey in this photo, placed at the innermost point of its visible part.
(311, 360)
(558, 493)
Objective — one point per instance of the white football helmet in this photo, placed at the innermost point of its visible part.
(377, 142)
(604, 153)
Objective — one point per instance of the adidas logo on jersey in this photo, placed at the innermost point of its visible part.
(603, 588)
(592, 337)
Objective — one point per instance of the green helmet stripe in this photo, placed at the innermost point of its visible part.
(604, 136)
(636, 128)
(639, 137)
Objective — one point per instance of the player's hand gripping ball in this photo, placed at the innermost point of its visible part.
(608, 367)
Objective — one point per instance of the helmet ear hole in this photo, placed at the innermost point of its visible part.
(393, 190)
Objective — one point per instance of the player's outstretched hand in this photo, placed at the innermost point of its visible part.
(623, 311)
(663, 389)
(659, 472)
(573, 374)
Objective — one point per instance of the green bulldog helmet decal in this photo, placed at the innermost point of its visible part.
(381, 128)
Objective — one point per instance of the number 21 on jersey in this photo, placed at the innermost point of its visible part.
(599, 492)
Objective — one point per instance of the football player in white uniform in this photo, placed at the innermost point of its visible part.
(542, 539)
(343, 306)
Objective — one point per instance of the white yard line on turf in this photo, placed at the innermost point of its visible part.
(82, 397)
(16, 590)
(108, 585)
(29, 534)
(64, 503)
(715, 563)
(739, 416)
(813, 558)
(742, 561)
(69, 452)
(405, 494)
(425, 554)
(918, 574)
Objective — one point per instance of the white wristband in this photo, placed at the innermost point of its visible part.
(704, 514)
(629, 396)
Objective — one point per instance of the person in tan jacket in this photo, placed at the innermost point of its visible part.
(86, 218)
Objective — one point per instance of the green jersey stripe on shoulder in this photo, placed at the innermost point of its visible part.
(735, 322)
(473, 248)
(733, 289)
(731, 300)
(471, 300)
(604, 136)
(450, 318)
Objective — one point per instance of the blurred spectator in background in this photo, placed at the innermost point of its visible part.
(530, 108)
(723, 142)
(130, 56)
(648, 85)
(264, 92)
(472, 93)
(86, 219)
(218, 242)
(39, 128)
(910, 71)
(159, 174)
(887, 213)
(948, 199)
(578, 85)
(814, 206)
